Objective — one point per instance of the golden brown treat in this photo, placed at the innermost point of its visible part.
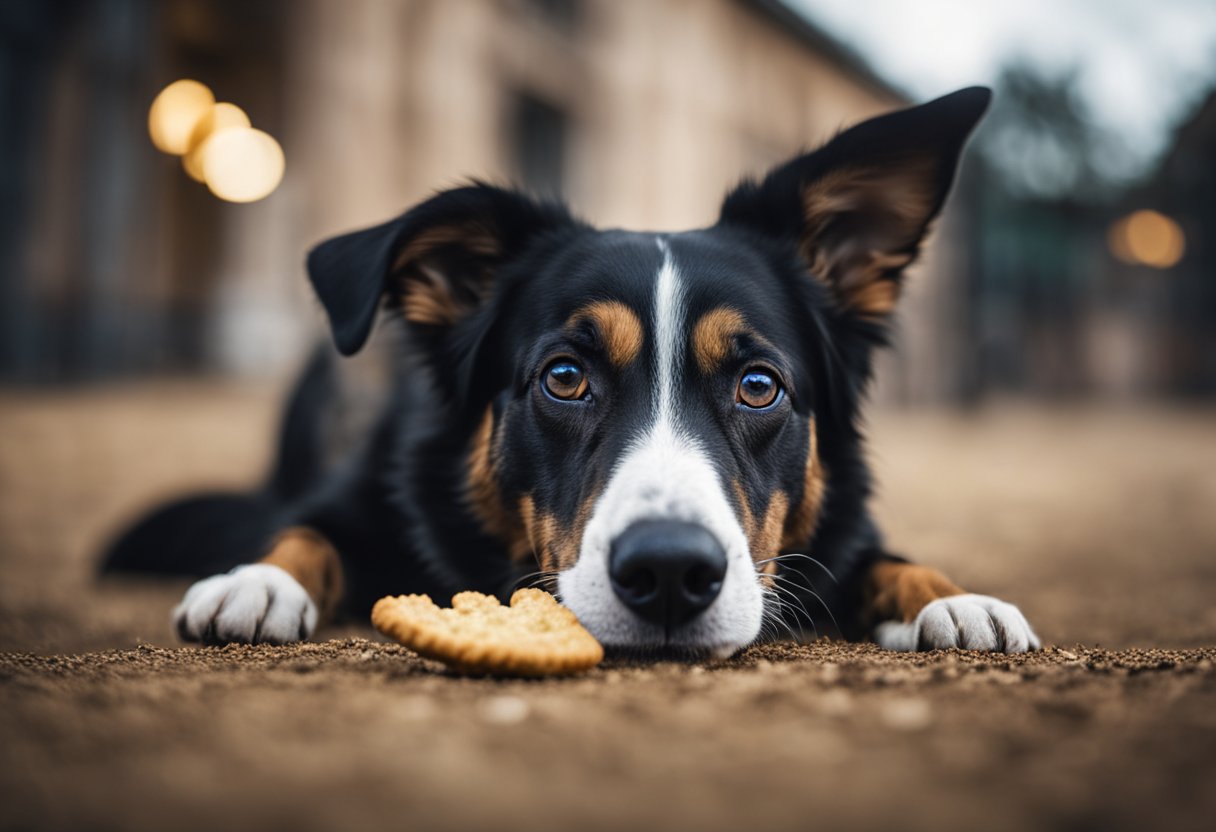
(535, 636)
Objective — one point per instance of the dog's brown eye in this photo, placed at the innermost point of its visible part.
(757, 389)
(565, 380)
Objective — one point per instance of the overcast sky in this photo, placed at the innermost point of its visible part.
(1142, 64)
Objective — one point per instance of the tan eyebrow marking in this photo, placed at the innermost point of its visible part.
(714, 335)
(618, 325)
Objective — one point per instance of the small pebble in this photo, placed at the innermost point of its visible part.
(835, 702)
(417, 708)
(504, 710)
(906, 714)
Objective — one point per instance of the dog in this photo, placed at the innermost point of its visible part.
(662, 429)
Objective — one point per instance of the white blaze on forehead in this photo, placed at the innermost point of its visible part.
(669, 346)
(665, 474)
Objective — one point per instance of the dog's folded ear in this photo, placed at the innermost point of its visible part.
(436, 263)
(858, 208)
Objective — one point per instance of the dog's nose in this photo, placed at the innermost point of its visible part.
(666, 571)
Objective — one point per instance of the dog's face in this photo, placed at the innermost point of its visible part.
(644, 409)
(656, 438)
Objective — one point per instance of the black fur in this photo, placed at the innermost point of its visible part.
(398, 510)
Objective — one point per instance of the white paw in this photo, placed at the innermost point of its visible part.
(972, 622)
(252, 604)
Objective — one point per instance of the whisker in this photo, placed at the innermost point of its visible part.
(545, 577)
(796, 635)
(763, 636)
(768, 613)
(773, 614)
(793, 597)
(780, 558)
(794, 604)
(811, 591)
(781, 608)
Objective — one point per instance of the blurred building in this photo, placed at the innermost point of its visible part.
(641, 113)
(1065, 299)
(1185, 188)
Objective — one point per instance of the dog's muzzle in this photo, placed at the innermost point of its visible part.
(667, 571)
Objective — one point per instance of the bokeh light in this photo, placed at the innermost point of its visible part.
(1116, 241)
(217, 142)
(242, 164)
(175, 112)
(1147, 238)
(220, 117)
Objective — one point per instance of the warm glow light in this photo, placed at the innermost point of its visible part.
(242, 164)
(217, 142)
(220, 117)
(1147, 238)
(175, 112)
(1116, 238)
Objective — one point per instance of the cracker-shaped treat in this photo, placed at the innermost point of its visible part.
(535, 636)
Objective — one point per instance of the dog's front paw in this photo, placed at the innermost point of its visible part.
(972, 622)
(253, 604)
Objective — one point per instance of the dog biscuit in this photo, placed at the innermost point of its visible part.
(534, 636)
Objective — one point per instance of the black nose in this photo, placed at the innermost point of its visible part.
(667, 571)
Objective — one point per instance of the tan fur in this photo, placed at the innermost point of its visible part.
(618, 325)
(763, 533)
(746, 519)
(483, 493)
(783, 528)
(555, 546)
(897, 591)
(530, 541)
(713, 337)
(767, 541)
(898, 199)
(428, 297)
(801, 522)
(429, 300)
(313, 561)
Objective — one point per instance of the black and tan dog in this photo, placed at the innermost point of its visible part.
(667, 424)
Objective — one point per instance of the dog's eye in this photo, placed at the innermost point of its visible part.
(565, 380)
(757, 389)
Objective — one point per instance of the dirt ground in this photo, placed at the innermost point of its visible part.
(1099, 522)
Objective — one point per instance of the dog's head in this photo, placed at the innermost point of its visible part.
(653, 417)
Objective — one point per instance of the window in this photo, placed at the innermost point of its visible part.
(563, 14)
(539, 134)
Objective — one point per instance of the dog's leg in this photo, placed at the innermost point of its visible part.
(917, 608)
(277, 600)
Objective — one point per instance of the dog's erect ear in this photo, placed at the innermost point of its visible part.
(436, 262)
(858, 208)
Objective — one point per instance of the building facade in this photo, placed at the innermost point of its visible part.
(642, 114)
